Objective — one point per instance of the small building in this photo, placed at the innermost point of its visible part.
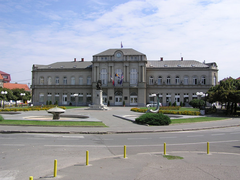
(126, 75)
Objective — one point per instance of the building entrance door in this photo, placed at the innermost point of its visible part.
(177, 100)
(118, 101)
(64, 99)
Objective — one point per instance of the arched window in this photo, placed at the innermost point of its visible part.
(41, 80)
(103, 76)
(80, 81)
(194, 80)
(159, 80)
(185, 81)
(72, 80)
(57, 80)
(168, 80)
(65, 80)
(133, 76)
(177, 80)
(203, 80)
(89, 80)
(151, 80)
(49, 80)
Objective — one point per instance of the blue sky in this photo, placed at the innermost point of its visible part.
(47, 31)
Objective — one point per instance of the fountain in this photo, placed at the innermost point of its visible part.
(56, 112)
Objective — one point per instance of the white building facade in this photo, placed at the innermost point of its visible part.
(126, 75)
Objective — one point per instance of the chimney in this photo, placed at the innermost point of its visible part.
(181, 58)
(75, 59)
(161, 59)
(82, 59)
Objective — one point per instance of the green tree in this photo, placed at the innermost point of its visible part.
(228, 93)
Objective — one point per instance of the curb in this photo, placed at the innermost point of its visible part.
(117, 132)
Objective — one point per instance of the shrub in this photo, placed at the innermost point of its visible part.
(170, 103)
(181, 104)
(153, 119)
(1, 118)
(196, 103)
(174, 104)
(47, 103)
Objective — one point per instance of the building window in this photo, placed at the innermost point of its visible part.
(151, 80)
(186, 98)
(194, 96)
(57, 80)
(133, 76)
(72, 80)
(49, 80)
(214, 80)
(88, 80)
(41, 81)
(203, 80)
(177, 80)
(103, 76)
(168, 98)
(49, 98)
(56, 98)
(118, 77)
(159, 80)
(89, 98)
(80, 81)
(65, 80)
(41, 97)
(185, 81)
(168, 80)
(194, 80)
(72, 97)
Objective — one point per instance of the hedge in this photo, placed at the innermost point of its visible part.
(169, 112)
(32, 108)
(153, 119)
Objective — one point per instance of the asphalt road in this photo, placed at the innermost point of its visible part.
(23, 155)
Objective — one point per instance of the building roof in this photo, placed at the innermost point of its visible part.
(16, 86)
(125, 51)
(175, 63)
(8, 79)
(65, 65)
(1, 78)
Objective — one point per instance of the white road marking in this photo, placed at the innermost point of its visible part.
(218, 134)
(12, 144)
(137, 138)
(196, 136)
(167, 137)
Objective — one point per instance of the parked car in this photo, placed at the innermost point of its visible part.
(154, 105)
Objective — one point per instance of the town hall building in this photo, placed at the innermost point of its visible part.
(127, 77)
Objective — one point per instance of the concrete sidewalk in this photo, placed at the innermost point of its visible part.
(145, 166)
(118, 120)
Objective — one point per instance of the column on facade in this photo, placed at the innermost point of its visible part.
(128, 80)
(139, 73)
(109, 73)
(143, 73)
(97, 76)
(124, 73)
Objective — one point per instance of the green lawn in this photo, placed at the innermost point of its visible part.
(198, 119)
(53, 123)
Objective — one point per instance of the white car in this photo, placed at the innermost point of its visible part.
(154, 105)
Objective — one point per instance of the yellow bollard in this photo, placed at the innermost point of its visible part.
(207, 147)
(164, 149)
(30, 178)
(87, 158)
(55, 168)
(125, 150)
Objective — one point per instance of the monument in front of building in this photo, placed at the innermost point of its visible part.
(97, 101)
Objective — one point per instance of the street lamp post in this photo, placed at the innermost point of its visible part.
(22, 94)
(4, 93)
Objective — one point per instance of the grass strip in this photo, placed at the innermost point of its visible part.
(170, 157)
(53, 123)
(198, 119)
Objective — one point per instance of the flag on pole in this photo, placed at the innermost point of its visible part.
(121, 45)
(121, 79)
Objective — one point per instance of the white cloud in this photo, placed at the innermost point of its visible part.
(197, 29)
